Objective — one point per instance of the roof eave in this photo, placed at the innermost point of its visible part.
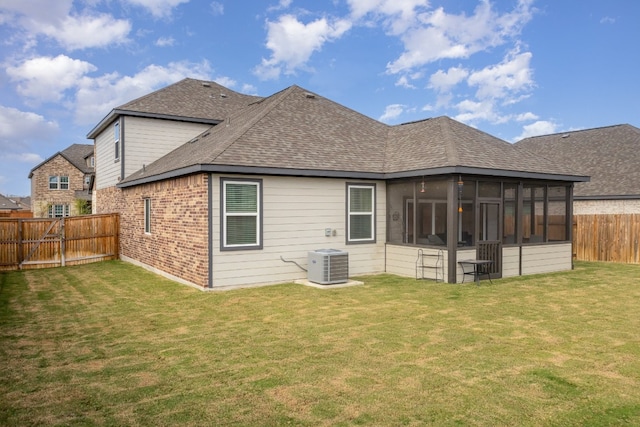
(253, 170)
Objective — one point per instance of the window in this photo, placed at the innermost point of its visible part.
(92, 161)
(58, 183)
(116, 138)
(147, 215)
(58, 211)
(241, 214)
(360, 213)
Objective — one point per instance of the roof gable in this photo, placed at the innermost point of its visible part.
(76, 154)
(188, 99)
(610, 155)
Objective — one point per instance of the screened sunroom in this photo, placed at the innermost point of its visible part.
(522, 226)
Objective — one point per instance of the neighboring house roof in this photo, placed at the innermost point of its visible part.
(75, 154)
(295, 132)
(7, 204)
(187, 100)
(24, 203)
(610, 155)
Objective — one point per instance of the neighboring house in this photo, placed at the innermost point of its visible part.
(15, 207)
(23, 202)
(277, 177)
(7, 206)
(610, 155)
(62, 185)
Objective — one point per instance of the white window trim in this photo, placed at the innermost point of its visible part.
(52, 210)
(258, 215)
(372, 212)
(58, 182)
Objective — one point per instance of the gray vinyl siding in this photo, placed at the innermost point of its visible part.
(546, 258)
(107, 169)
(296, 212)
(149, 139)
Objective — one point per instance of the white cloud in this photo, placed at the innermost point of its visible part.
(510, 76)
(282, 4)
(46, 78)
(56, 20)
(95, 97)
(443, 81)
(526, 117)
(293, 42)
(225, 81)
(403, 81)
(158, 8)
(37, 11)
(440, 35)
(80, 32)
(541, 127)
(217, 8)
(391, 112)
(165, 41)
(473, 111)
(17, 127)
(249, 89)
(397, 15)
(608, 20)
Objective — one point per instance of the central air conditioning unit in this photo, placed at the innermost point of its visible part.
(328, 266)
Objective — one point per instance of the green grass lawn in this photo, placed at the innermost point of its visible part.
(112, 344)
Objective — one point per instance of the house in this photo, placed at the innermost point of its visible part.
(62, 184)
(15, 207)
(610, 155)
(7, 206)
(243, 201)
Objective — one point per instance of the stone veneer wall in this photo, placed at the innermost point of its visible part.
(42, 197)
(592, 207)
(177, 244)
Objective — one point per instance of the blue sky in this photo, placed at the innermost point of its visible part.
(512, 68)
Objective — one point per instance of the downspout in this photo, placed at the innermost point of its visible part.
(210, 227)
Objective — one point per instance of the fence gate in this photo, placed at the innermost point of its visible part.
(53, 237)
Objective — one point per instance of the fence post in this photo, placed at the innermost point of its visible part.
(20, 243)
(62, 243)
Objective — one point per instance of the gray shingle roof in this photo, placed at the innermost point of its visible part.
(442, 142)
(7, 204)
(191, 98)
(297, 132)
(76, 154)
(610, 155)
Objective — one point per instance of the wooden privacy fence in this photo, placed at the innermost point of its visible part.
(50, 242)
(607, 237)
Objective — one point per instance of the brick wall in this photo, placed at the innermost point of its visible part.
(42, 197)
(177, 243)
